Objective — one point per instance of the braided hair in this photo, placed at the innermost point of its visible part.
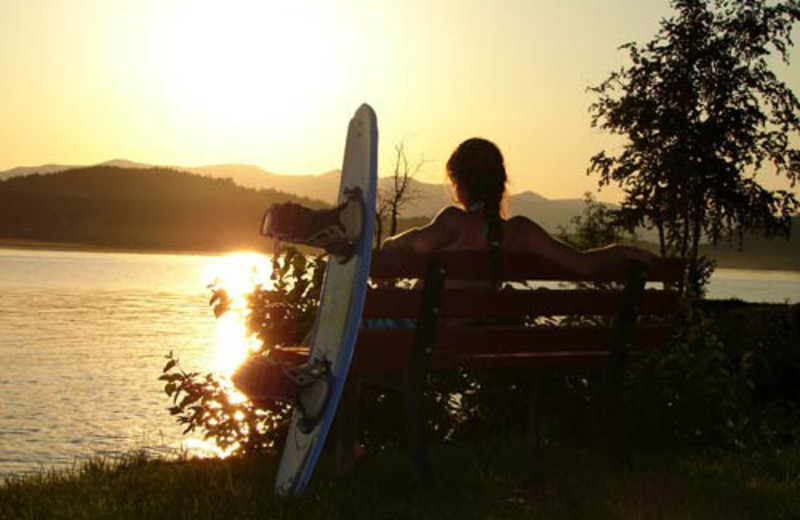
(477, 171)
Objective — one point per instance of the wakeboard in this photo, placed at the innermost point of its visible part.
(337, 322)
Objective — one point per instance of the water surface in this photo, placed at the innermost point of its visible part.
(83, 335)
(82, 342)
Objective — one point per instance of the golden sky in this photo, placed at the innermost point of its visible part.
(273, 83)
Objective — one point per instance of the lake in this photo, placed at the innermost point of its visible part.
(82, 342)
(83, 338)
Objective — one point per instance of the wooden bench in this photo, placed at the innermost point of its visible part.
(454, 329)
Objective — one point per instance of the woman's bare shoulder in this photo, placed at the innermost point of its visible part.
(522, 234)
(451, 212)
(440, 232)
(450, 217)
(523, 225)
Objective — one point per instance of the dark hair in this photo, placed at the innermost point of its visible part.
(478, 174)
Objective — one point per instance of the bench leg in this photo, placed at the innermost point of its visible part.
(533, 434)
(347, 426)
(622, 451)
(615, 414)
(619, 426)
(617, 362)
(421, 353)
(420, 462)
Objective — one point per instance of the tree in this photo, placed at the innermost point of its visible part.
(703, 114)
(596, 227)
(400, 192)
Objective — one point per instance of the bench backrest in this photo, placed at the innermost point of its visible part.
(485, 327)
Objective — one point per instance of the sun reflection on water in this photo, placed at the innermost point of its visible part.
(237, 274)
(201, 449)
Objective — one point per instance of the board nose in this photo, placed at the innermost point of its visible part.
(365, 110)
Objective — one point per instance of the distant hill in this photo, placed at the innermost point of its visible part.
(759, 252)
(152, 209)
(28, 170)
(322, 187)
(125, 163)
(55, 168)
(429, 199)
(550, 214)
(127, 204)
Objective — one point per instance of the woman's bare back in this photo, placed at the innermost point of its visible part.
(454, 229)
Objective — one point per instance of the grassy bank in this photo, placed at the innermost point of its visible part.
(498, 480)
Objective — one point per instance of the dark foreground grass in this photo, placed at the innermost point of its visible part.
(494, 480)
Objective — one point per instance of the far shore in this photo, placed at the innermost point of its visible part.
(35, 245)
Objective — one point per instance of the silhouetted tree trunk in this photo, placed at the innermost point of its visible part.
(393, 200)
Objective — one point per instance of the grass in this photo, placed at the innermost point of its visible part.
(493, 480)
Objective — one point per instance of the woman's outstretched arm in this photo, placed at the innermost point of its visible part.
(527, 236)
(435, 236)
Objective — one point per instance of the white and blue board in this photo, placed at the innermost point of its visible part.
(341, 303)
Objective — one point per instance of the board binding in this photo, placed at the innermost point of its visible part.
(305, 387)
(337, 230)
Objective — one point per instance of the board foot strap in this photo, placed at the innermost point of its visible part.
(306, 387)
(336, 230)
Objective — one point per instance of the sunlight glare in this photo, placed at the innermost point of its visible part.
(243, 62)
(202, 449)
(238, 274)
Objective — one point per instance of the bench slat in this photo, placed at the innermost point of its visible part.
(578, 360)
(390, 349)
(575, 360)
(392, 303)
(570, 361)
(503, 340)
(514, 266)
(477, 303)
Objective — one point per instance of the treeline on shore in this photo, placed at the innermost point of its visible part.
(148, 209)
(161, 209)
(759, 252)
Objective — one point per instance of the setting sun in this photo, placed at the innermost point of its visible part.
(242, 63)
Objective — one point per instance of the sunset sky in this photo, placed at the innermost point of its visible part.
(273, 83)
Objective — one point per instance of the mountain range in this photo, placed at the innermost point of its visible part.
(146, 209)
(231, 183)
(427, 200)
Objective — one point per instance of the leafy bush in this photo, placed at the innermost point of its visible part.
(281, 314)
(768, 336)
(203, 402)
(284, 313)
(729, 377)
(691, 389)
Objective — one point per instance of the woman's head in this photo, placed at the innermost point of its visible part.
(478, 174)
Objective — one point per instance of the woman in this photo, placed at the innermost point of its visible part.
(477, 173)
(478, 177)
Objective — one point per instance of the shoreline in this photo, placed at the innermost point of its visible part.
(503, 488)
(37, 245)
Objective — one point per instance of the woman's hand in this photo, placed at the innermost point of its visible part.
(390, 244)
(634, 254)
